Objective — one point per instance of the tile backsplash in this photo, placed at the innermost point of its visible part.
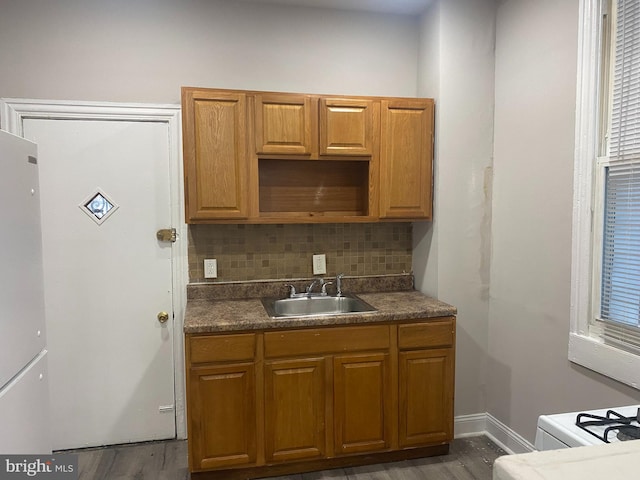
(260, 252)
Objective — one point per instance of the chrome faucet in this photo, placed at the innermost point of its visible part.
(319, 281)
(339, 284)
(323, 287)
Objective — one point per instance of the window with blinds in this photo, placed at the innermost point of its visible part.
(619, 318)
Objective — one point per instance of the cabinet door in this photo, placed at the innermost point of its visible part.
(426, 397)
(346, 126)
(215, 155)
(406, 159)
(294, 410)
(284, 124)
(222, 416)
(362, 413)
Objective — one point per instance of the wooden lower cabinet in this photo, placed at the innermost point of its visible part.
(426, 397)
(362, 403)
(310, 399)
(222, 416)
(294, 402)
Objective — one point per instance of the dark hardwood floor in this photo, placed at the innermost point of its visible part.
(468, 459)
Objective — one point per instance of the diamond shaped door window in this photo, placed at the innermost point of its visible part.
(98, 206)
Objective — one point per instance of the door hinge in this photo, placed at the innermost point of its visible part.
(167, 235)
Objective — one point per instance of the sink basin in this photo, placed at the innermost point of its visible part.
(307, 306)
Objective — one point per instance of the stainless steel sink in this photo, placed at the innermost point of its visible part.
(304, 306)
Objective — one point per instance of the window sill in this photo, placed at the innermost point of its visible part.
(612, 362)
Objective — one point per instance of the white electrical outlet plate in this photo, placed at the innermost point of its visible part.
(319, 264)
(210, 268)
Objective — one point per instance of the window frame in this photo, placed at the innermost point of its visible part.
(586, 347)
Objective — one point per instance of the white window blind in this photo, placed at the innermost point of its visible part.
(620, 283)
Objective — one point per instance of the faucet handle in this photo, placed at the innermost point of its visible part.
(324, 287)
(292, 291)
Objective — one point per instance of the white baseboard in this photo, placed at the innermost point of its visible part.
(470, 425)
(486, 424)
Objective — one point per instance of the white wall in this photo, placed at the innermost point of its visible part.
(528, 372)
(145, 50)
(456, 250)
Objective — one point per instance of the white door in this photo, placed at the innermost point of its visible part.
(105, 191)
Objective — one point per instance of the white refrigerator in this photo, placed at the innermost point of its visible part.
(24, 393)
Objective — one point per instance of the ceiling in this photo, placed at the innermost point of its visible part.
(404, 7)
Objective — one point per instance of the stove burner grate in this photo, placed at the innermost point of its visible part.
(613, 422)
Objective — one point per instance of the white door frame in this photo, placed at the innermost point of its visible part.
(13, 112)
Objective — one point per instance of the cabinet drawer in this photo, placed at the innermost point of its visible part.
(437, 333)
(326, 340)
(222, 348)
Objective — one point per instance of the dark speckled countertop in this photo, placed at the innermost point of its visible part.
(209, 308)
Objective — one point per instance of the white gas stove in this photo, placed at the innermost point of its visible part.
(593, 427)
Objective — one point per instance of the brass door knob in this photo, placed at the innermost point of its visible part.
(163, 317)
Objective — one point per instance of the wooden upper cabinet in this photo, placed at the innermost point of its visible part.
(284, 124)
(347, 126)
(215, 155)
(406, 159)
(267, 157)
